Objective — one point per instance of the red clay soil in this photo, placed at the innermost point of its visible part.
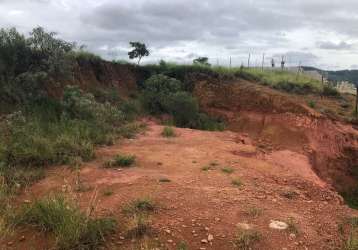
(280, 183)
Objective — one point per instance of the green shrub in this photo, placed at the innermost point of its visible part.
(120, 161)
(312, 104)
(71, 227)
(184, 109)
(228, 170)
(237, 182)
(330, 91)
(246, 239)
(142, 205)
(157, 91)
(168, 132)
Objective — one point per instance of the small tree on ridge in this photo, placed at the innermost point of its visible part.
(139, 51)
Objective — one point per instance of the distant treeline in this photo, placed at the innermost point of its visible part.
(338, 76)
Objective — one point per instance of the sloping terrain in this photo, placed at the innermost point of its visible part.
(276, 121)
(202, 206)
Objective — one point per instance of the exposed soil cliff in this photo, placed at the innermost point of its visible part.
(278, 121)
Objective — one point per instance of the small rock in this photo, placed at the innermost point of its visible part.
(170, 241)
(121, 238)
(210, 237)
(207, 229)
(27, 201)
(22, 238)
(167, 231)
(10, 243)
(279, 225)
(292, 236)
(204, 241)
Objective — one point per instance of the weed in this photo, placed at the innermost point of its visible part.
(108, 192)
(237, 182)
(292, 228)
(138, 212)
(168, 132)
(312, 104)
(143, 205)
(254, 212)
(120, 161)
(227, 170)
(182, 246)
(207, 168)
(138, 225)
(246, 239)
(71, 228)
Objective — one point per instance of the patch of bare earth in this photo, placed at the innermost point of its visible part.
(204, 208)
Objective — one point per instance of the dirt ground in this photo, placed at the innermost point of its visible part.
(204, 208)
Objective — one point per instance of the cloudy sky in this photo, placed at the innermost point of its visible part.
(320, 33)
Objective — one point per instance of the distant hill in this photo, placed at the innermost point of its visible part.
(337, 76)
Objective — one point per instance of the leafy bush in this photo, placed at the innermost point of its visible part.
(75, 126)
(330, 91)
(246, 239)
(72, 228)
(184, 108)
(168, 132)
(162, 94)
(27, 64)
(157, 92)
(120, 161)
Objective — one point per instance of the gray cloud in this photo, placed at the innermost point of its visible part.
(176, 29)
(335, 46)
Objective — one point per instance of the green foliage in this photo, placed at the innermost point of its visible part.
(227, 170)
(168, 132)
(246, 239)
(120, 161)
(142, 205)
(312, 104)
(201, 61)
(139, 50)
(49, 133)
(138, 212)
(162, 94)
(184, 108)
(83, 56)
(72, 228)
(237, 182)
(157, 92)
(330, 91)
(27, 64)
(351, 198)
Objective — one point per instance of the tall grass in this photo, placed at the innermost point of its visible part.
(71, 228)
(282, 80)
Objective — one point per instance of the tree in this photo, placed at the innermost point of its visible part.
(201, 61)
(139, 51)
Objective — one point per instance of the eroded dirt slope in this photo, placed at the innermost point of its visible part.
(275, 120)
(280, 184)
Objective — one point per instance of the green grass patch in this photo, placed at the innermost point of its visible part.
(142, 205)
(246, 239)
(168, 132)
(71, 228)
(207, 168)
(227, 170)
(120, 161)
(254, 212)
(237, 182)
